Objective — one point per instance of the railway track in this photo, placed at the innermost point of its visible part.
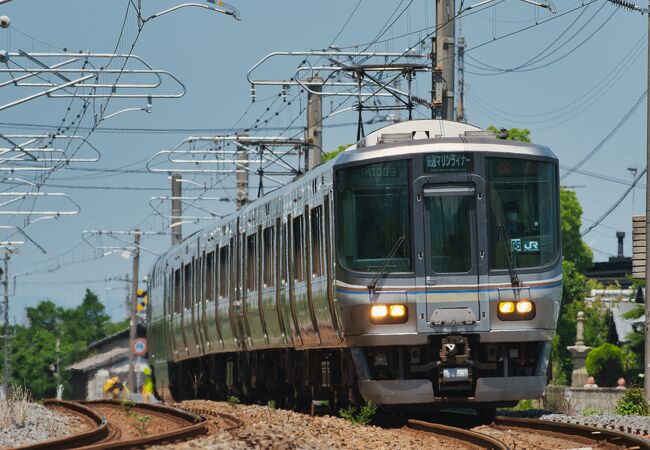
(598, 437)
(507, 433)
(118, 425)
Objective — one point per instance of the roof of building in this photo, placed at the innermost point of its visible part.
(624, 327)
(141, 332)
(101, 359)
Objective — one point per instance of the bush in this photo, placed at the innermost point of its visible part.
(591, 411)
(633, 403)
(606, 364)
(363, 417)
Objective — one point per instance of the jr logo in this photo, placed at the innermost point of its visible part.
(531, 246)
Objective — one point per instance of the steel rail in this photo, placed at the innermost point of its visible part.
(600, 435)
(197, 427)
(89, 437)
(472, 437)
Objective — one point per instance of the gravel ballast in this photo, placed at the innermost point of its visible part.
(40, 424)
(265, 428)
(629, 424)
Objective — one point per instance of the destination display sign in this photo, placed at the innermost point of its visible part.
(448, 162)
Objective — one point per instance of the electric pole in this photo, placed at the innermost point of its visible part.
(241, 177)
(59, 386)
(134, 311)
(445, 54)
(6, 373)
(646, 378)
(314, 131)
(177, 234)
(460, 108)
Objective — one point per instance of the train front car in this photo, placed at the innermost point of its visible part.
(449, 271)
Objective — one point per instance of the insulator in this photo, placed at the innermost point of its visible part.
(253, 93)
(628, 5)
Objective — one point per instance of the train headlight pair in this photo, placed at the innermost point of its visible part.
(383, 314)
(516, 310)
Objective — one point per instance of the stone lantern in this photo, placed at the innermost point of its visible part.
(579, 352)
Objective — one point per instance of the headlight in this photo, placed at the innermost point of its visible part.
(397, 311)
(516, 310)
(378, 311)
(524, 306)
(388, 314)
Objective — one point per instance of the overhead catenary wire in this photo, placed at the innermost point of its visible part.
(614, 205)
(607, 138)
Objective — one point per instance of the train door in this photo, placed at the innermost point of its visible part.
(451, 255)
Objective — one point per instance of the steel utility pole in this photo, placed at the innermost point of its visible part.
(241, 177)
(445, 53)
(177, 233)
(134, 315)
(314, 131)
(646, 378)
(460, 109)
(59, 386)
(6, 372)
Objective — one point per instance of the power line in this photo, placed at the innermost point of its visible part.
(615, 204)
(607, 138)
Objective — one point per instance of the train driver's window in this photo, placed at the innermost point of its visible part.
(373, 218)
(523, 212)
(269, 257)
(223, 271)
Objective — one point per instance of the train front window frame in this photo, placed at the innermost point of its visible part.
(374, 207)
(522, 212)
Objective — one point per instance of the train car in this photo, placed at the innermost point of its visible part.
(420, 267)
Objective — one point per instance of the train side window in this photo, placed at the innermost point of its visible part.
(177, 291)
(251, 262)
(283, 250)
(268, 257)
(298, 250)
(187, 286)
(316, 219)
(223, 271)
(209, 276)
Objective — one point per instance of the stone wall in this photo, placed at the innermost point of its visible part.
(573, 400)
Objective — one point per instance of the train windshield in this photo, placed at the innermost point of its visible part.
(523, 212)
(373, 217)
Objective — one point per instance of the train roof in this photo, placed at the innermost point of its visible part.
(425, 136)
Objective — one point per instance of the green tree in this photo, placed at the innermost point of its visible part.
(33, 347)
(514, 134)
(606, 364)
(598, 320)
(574, 249)
(331, 155)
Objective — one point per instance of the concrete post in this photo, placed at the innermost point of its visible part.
(579, 352)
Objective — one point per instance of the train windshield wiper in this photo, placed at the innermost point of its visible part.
(512, 269)
(373, 284)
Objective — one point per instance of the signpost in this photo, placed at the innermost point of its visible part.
(139, 347)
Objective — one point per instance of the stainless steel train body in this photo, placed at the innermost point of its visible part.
(421, 266)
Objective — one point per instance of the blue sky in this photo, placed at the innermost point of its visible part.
(580, 71)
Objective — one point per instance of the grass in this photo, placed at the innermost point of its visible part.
(14, 409)
(363, 417)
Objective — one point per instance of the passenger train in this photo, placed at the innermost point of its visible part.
(419, 267)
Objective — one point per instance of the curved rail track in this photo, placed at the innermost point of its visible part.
(600, 436)
(470, 437)
(582, 434)
(107, 435)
